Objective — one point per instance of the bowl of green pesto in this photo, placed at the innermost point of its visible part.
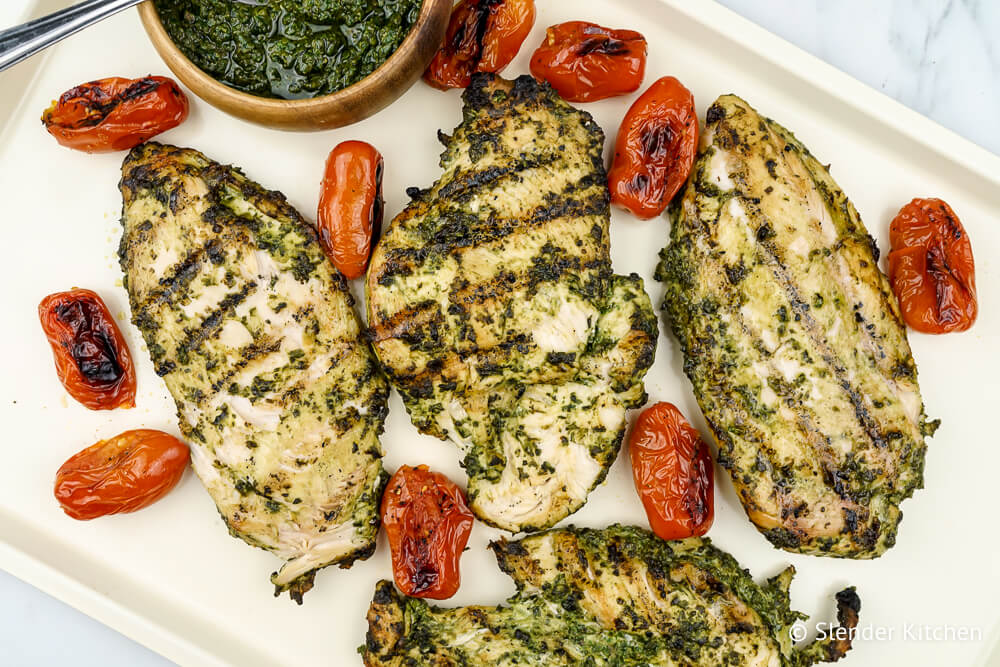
(297, 64)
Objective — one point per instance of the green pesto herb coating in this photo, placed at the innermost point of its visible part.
(615, 597)
(291, 49)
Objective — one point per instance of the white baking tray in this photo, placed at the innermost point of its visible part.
(172, 578)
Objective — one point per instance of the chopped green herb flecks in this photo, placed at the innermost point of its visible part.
(288, 48)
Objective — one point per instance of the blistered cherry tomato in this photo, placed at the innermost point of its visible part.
(428, 523)
(122, 474)
(931, 268)
(483, 36)
(115, 114)
(92, 358)
(585, 62)
(350, 206)
(672, 469)
(655, 149)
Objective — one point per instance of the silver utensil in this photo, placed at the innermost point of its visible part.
(27, 39)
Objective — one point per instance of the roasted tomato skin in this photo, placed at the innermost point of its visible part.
(931, 268)
(586, 62)
(672, 469)
(122, 474)
(428, 524)
(92, 359)
(115, 114)
(482, 36)
(655, 149)
(351, 206)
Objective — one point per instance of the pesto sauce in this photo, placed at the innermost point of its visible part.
(290, 49)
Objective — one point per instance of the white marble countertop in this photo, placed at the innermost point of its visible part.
(940, 57)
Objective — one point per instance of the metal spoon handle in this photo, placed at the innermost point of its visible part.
(25, 40)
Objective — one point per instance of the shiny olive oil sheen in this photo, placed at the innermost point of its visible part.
(290, 49)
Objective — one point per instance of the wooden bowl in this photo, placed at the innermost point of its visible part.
(354, 103)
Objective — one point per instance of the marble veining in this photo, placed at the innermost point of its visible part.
(939, 57)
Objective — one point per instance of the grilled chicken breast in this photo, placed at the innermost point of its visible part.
(494, 310)
(254, 333)
(618, 596)
(793, 341)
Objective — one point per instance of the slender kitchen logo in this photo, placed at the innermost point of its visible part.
(910, 632)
